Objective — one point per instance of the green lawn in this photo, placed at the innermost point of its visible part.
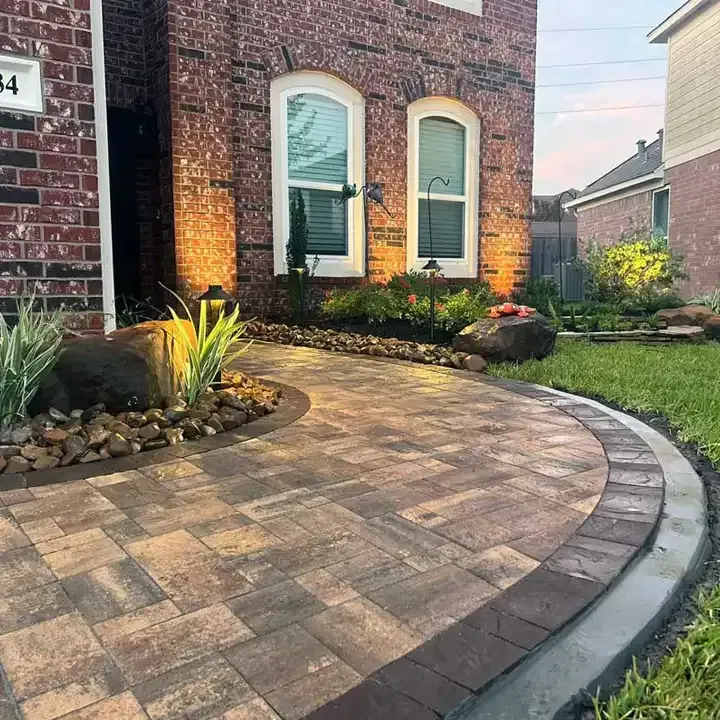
(680, 382)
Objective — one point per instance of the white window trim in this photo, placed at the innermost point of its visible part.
(282, 88)
(652, 208)
(467, 266)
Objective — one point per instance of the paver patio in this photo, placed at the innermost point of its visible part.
(265, 579)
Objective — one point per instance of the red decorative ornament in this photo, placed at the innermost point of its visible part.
(507, 309)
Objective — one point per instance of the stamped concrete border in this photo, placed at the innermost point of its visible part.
(293, 406)
(576, 620)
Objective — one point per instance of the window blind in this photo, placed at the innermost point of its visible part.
(448, 229)
(317, 139)
(442, 152)
(326, 221)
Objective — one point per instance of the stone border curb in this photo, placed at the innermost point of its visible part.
(590, 652)
(293, 406)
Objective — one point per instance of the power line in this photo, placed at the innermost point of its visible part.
(602, 62)
(604, 109)
(602, 82)
(596, 29)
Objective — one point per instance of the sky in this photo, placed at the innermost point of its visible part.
(574, 149)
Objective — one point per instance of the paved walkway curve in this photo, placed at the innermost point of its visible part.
(267, 579)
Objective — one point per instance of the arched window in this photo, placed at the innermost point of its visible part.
(443, 140)
(318, 131)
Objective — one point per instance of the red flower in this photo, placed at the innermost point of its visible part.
(412, 299)
(440, 307)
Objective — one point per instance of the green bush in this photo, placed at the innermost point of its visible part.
(634, 272)
(539, 293)
(407, 297)
(711, 300)
(28, 352)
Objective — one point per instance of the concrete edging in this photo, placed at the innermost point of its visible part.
(592, 650)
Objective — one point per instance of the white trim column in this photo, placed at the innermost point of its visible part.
(103, 163)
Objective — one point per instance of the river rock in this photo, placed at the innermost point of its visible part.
(45, 462)
(33, 452)
(233, 401)
(7, 451)
(55, 436)
(118, 446)
(231, 418)
(475, 363)
(174, 436)
(75, 445)
(17, 464)
(20, 435)
(92, 412)
(176, 413)
(97, 435)
(190, 428)
(150, 432)
(3, 464)
(155, 444)
(208, 431)
(42, 420)
(215, 423)
(199, 414)
(57, 415)
(135, 419)
(90, 456)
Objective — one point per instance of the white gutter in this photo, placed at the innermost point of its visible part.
(663, 31)
(657, 175)
(103, 163)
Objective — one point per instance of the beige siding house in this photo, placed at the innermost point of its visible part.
(675, 187)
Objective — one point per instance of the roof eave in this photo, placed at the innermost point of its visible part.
(605, 192)
(665, 29)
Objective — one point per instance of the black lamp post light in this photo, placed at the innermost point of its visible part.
(432, 267)
(217, 300)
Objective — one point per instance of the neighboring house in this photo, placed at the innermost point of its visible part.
(546, 233)
(673, 185)
(213, 112)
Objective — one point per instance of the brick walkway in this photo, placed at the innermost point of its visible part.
(266, 579)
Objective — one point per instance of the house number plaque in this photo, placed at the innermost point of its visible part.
(20, 84)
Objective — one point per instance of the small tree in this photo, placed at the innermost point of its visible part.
(296, 251)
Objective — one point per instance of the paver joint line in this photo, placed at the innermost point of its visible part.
(411, 537)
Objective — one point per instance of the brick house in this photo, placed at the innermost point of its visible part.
(168, 146)
(673, 185)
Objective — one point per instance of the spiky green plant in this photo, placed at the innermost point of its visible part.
(28, 352)
(711, 300)
(208, 347)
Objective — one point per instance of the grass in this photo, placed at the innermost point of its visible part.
(685, 685)
(680, 382)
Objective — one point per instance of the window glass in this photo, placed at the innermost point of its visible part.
(326, 220)
(661, 213)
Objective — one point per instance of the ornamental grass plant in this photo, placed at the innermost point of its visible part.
(208, 345)
(29, 350)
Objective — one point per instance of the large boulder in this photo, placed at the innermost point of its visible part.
(508, 338)
(686, 315)
(712, 327)
(131, 368)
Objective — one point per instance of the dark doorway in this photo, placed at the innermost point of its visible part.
(134, 198)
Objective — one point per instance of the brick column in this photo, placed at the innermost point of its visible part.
(200, 105)
(49, 224)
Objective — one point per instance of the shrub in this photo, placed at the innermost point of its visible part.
(459, 310)
(208, 348)
(28, 352)
(296, 251)
(636, 270)
(343, 304)
(540, 293)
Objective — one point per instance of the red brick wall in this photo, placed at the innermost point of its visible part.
(223, 56)
(49, 234)
(607, 222)
(695, 221)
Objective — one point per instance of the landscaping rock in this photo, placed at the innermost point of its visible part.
(3, 464)
(173, 401)
(33, 452)
(475, 363)
(231, 418)
(92, 412)
(55, 436)
(76, 444)
(104, 418)
(57, 415)
(232, 401)
(77, 413)
(72, 426)
(127, 369)
(42, 420)
(509, 338)
(687, 315)
(56, 451)
(153, 415)
(155, 444)
(190, 428)
(215, 423)
(176, 414)
(7, 451)
(135, 419)
(97, 435)
(20, 435)
(45, 462)
(208, 431)
(136, 446)
(174, 436)
(712, 327)
(90, 456)
(118, 446)
(150, 432)
(17, 464)
(199, 414)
